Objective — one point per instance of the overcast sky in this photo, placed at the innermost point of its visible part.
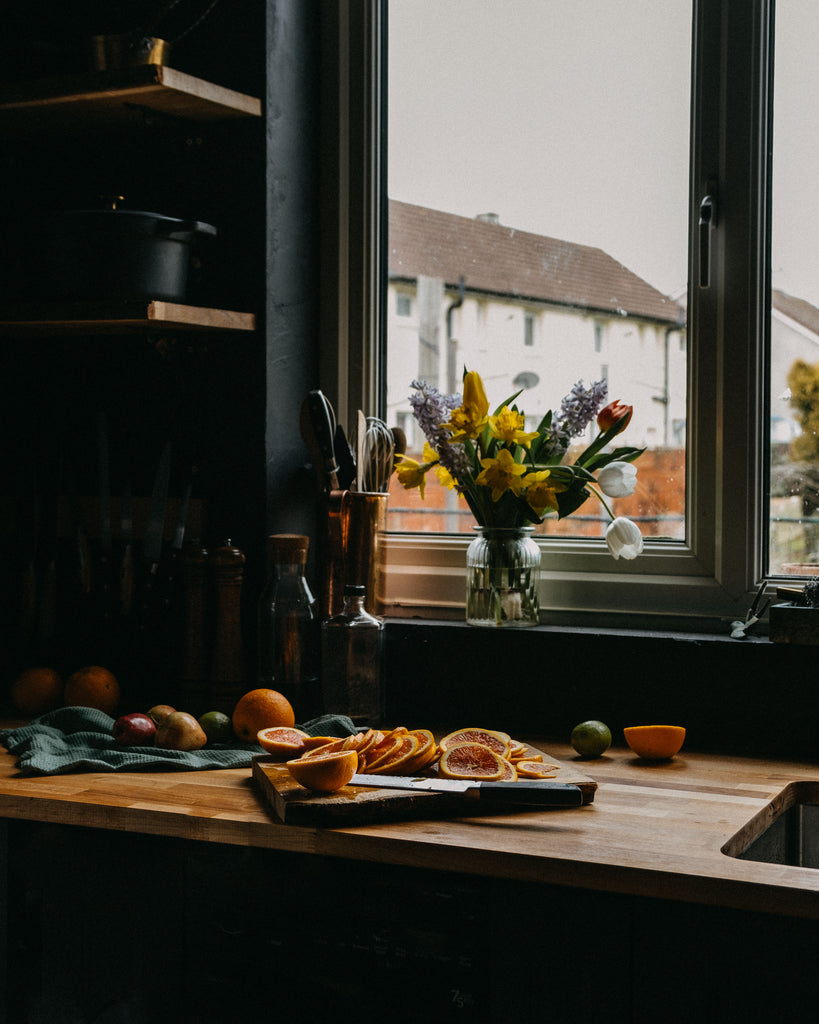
(569, 118)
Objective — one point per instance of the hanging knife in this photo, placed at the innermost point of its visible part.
(531, 792)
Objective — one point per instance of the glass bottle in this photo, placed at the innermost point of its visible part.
(351, 647)
(288, 625)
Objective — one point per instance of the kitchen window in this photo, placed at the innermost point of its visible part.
(715, 569)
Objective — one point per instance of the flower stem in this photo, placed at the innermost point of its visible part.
(602, 500)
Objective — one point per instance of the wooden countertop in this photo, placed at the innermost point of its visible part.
(653, 830)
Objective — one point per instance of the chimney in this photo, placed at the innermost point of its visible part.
(488, 218)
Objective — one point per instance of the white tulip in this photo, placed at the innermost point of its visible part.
(624, 538)
(618, 479)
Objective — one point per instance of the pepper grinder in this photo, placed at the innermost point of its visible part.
(227, 671)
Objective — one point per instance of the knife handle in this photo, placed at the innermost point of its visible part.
(532, 792)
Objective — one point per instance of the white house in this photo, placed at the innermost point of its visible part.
(528, 311)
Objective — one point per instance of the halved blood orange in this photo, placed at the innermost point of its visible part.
(282, 741)
(472, 761)
(324, 774)
(530, 769)
(500, 742)
(655, 742)
(396, 758)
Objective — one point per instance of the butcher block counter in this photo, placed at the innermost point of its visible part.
(653, 829)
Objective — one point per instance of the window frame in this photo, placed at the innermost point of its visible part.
(714, 574)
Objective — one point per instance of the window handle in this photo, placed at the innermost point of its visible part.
(708, 220)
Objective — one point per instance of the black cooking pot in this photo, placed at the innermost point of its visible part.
(119, 254)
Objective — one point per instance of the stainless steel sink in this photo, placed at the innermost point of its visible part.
(786, 831)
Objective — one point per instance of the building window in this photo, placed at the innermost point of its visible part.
(403, 304)
(528, 330)
(719, 561)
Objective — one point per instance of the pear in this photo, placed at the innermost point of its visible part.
(180, 731)
(159, 712)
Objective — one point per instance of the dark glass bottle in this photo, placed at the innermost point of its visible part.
(351, 648)
(287, 625)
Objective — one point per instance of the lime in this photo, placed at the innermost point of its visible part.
(217, 727)
(591, 739)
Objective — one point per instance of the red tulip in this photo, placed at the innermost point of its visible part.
(615, 412)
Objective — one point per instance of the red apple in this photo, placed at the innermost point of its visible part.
(136, 730)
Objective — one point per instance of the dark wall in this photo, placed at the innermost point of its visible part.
(748, 697)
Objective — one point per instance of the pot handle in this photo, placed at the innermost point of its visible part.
(195, 227)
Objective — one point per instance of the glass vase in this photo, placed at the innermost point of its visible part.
(502, 577)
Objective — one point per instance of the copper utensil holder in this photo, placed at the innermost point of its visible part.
(356, 524)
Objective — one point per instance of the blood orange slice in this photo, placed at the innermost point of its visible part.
(396, 758)
(281, 741)
(472, 761)
(425, 754)
(311, 742)
(536, 770)
(500, 742)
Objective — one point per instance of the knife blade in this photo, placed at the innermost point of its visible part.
(318, 429)
(531, 792)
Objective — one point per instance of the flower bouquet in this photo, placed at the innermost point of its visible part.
(512, 478)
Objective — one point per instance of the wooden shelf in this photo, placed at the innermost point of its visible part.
(118, 317)
(120, 94)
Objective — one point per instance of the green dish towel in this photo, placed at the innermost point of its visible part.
(80, 740)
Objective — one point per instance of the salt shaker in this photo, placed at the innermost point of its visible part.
(351, 647)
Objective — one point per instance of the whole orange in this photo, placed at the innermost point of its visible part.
(37, 690)
(260, 709)
(92, 687)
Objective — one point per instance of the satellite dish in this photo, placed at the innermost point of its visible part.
(526, 380)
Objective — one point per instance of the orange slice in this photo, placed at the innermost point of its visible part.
(526, 757)
(281, 741)
(472, 761)
(394, 761)
(324, 774)
(529, 769)
(425, 754)
(500, 742)
(331, 747)
(510, 772)
(655, 742)
(311, 742)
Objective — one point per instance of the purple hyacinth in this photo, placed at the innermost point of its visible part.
(431, 409)
(579, 408)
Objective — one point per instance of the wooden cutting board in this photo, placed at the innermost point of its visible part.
(364, 805)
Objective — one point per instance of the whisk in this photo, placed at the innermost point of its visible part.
(376, 465)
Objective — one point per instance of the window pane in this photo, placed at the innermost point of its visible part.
(794, 532)
(538, 184)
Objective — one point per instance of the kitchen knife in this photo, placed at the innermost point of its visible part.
(532, 792)
(318, 429)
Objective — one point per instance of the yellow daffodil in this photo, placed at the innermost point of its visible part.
(412, 474)
(541, 490)
(501, 474)
(508, 427)
(469, 419)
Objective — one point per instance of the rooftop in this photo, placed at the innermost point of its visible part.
(499, 260)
